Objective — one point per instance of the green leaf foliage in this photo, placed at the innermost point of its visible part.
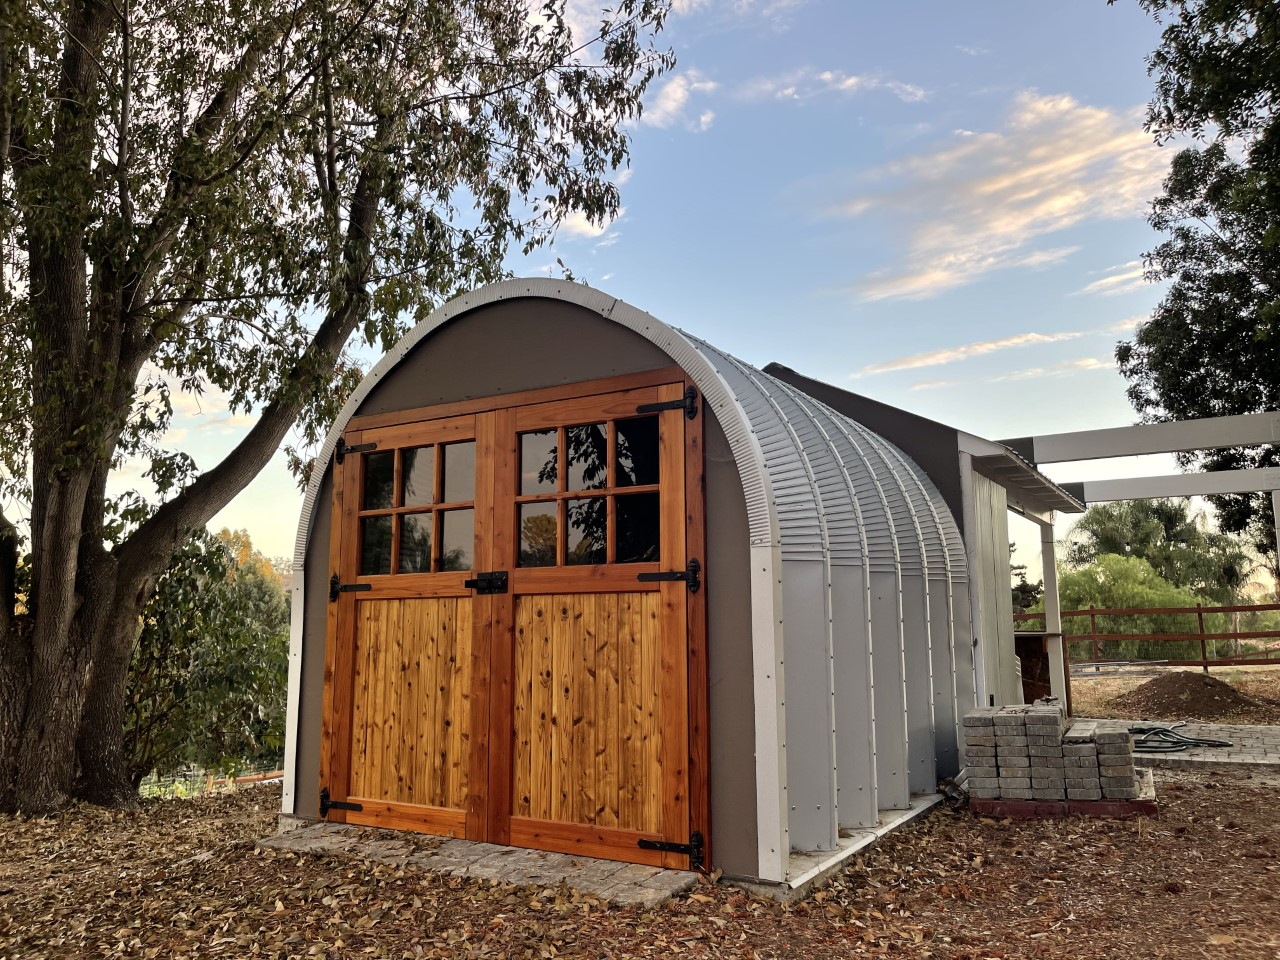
(1177, 545)
(208, 680)
(1212, 346)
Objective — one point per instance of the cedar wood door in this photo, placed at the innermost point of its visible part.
(568, 712)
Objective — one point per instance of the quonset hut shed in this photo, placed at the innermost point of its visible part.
(572, 579)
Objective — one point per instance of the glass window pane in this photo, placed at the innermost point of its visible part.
(637, 453)
(639, 528)
(375, 545)
(588, 462)
(537, 462)
(538, 534)
(458, 539)
(379, 481)
(418, 476)
(586, 530)
(415, 543)
(459, 473)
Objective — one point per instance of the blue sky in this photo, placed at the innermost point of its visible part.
(939, 205)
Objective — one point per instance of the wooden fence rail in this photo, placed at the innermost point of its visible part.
(1269, 657)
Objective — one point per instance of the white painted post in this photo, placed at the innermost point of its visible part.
(1052, 612)
(1275, 510)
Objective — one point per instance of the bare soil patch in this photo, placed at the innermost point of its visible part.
(1229, 696)
(182, 878)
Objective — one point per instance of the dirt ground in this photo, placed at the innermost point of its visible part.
(182, 878)
(1096, 697)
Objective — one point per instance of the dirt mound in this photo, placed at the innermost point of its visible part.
(1185, 695)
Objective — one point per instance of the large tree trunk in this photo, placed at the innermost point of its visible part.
(112, 622)
(15, 664)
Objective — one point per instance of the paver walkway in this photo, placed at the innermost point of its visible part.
(626, 884)
(1254, 748)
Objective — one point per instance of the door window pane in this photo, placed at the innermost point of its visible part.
(588, 461)
(537, 462)
(379, 481)
(458, 539)
(375, 545)
(459, 474)
(418, 473)
(538, 534)
(637, 452)
(639, 531)
(415, 543)
(586, 530)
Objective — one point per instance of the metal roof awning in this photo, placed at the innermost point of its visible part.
(1027, 486)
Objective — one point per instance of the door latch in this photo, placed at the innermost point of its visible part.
(488, 582)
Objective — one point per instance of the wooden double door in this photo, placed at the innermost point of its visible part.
(516, 642)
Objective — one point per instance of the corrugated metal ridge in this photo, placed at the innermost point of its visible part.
(801, 519)
(733, 418)
(911, 550)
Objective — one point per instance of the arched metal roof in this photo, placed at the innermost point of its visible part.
(822, 493)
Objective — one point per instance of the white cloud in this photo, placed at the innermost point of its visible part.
(933, 384)
(668, 107)
(1126, 326)
(577, 224)
(937, 358)
(1126, 278)
(705, 120)
(807, 82)
(973, 51)
(1060, 369)
(980, 202)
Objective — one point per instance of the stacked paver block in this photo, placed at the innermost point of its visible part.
(1044, 746)
(1029, 753)
(1080, 757)
(1012, 759)
(979, 754)
(1115, 764)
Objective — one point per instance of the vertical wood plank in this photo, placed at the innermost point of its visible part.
(542, 746)
(672, 641)
(606, 709)
(696, 631)
(359, 706)
(521, 712)
(410, 715)
(423, 702)
(460, 740)
(437, 624)
(561, 710)
(631, 667)
(584, 721)
(372, 614)
(498, 654)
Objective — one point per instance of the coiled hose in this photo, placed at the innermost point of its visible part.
(1166, 739)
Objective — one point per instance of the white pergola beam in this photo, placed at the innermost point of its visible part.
(1210, 433)
(1176, 485)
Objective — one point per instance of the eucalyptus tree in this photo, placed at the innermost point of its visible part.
(1212, 345)
(203, 196)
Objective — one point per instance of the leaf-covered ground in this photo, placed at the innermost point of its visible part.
(182, 878)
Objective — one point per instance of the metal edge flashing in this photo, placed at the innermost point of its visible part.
(808, 827)
(757, 491)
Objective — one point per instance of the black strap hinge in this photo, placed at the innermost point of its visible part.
(690, 575)
(488, 582)
(336, 587)
(693, 849)
(689, 404)
(341, 450)
(326, 804)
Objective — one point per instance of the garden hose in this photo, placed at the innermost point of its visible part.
(1166, 739)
